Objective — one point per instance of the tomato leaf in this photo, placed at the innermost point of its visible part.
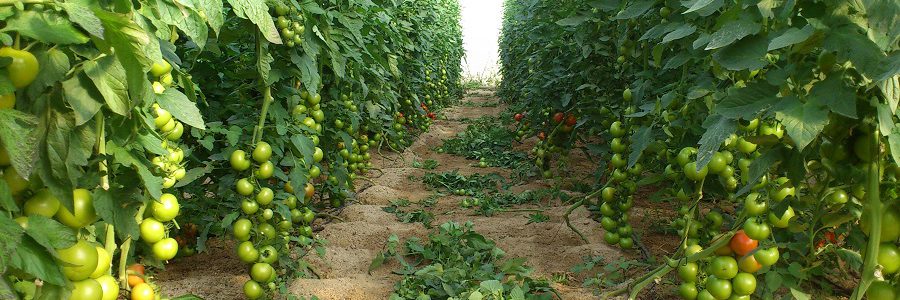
(139, 164)
(212, 9)
(308, 70)
(34, 259)
(119, 206)
(859, 49)
(79, 13)
(791, 36)
(680, 32)
(108, 76)
(135, 49)
(11, 234)
(639, 141)
(258, 13)
(748, 102)
(18, 134)
(802, 121)
(82, 97)
(636, 9)
(718, 128)
(45, 27)
(183, 17)
(181, 108)
(747, 54)
(759, 167)
(834, 94)
(50, 233)
(54, 65)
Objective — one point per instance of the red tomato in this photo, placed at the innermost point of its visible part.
(742, 244)
(541, 136)
(571, 120)
(518, 117)
(558, 117)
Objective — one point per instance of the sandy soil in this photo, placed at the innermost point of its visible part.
(550, 247)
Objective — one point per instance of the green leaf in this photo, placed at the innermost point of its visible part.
(11, 235)
(109, 78)
(34, 259)
(746, 54)
(82, 97)
(799, 295)
(79, 13)
(181, 108)
(308, 70)
(748, 102)
(50, 233)
(194, 174)
(718, 129)
(758, 168)
(884, 25)
(680, 32)
(791, 36)
(894, 143)
(891, 89)
(834, 94)
(119, 206)
(572, 21)
(184, 18)
(122, 156)
(639, 141)
(18, 134)
(802, 121)
(731, 32)
(859, 49)
(48, 27)
(60, 154)
(54, 63)
(212, 9)
(696, 5)
(258, 13)
(264, 60)
(135, 49)
(636, 9)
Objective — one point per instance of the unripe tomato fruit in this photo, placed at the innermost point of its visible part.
(24, 66)
(262, 152)
(84, 214)
(261, 272)
(239, 161)
(165, 249)
(104, 261)
(244, 187)
(241, 229)
(743, 284)
(109, 286)
(43, 203)
(87, 289)
(246, 252)
(253, 290)
(160, 68)
(166, 209)
(80, 260)
(152, 230)
(724, 267)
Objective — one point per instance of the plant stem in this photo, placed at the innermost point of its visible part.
(123, 262)
(267, 97)
(101, 150)
(871, 207)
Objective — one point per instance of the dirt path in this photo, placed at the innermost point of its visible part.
(550, 247)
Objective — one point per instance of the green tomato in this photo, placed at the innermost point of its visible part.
(889, 258)
(318, 155)
(616, 129)
(718, 288)
(608, 193)
(717, 163)
(265, 196)
(881, 290)
(152, 231)
(608, 223)
(743, 284)
(265, 170)
(262, 152)
(705, 295)
(43, 203)
(165, 249)
(162, 117)
(839, 196)
(176, 133)
(247, 253)
(766, 257)
(87, 289)
(691, 172)
(261, 272)
(724, 267)
(752, 206)
(784, 220)
(267, 231)
(239, 161)
(688, 272)
(756, 230)
(253, 290)
(607, 210)
(22, 69)
(890, 218)
(166, 209)
(104, 261)
(249, 206)
(617, 145)
(745, 146)
(241, 229)
(109, 286)
(160, 68)
(687, 291)
(626, 243)
(84, 214)
(268, 254)
(318, 115)
(611, 238)
(79, 260)
(244, 187)
(617, 161)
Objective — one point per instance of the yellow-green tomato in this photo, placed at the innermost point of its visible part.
(84, 210)
(79, 260)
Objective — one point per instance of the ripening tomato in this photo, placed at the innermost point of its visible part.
(160, 68)
(518, 117)
(742, 244)
(136, 268)
(23, 68)
(558, 117)
(309, 192)
(748, 264)
(571, 120)
(104, 261)
(142, 291)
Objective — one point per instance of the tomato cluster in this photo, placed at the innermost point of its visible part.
(290, 24)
